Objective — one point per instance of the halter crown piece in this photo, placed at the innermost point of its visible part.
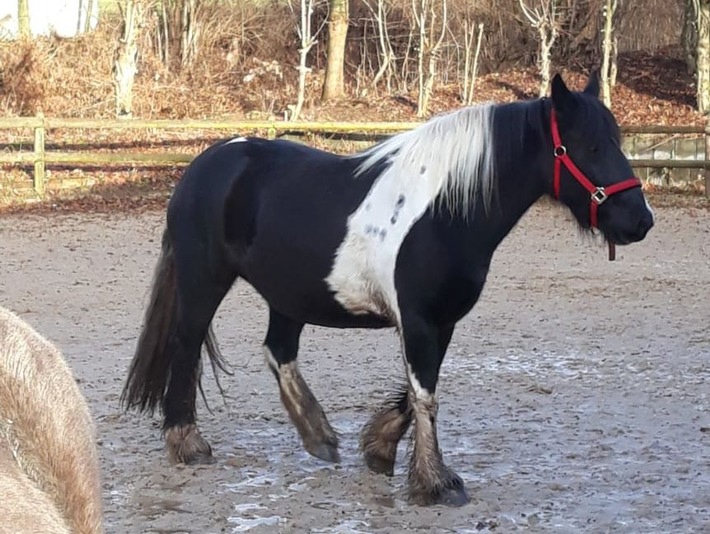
(598, 195)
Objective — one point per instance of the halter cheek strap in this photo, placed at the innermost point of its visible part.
(598, 195)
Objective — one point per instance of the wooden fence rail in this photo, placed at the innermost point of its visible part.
(40, 157)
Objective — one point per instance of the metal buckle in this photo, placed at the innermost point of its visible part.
(560, 151)
(599, 196)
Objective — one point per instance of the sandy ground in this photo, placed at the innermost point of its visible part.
(574, 397)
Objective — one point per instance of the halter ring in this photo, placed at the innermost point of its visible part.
(560, 151)
(599, 196)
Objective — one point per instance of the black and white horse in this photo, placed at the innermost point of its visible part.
(401, 235)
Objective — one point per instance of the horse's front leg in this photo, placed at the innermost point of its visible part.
(430, 480)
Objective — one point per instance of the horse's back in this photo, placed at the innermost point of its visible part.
(230, 185)
(46, 429)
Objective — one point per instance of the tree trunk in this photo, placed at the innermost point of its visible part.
(179, 31)
(703, 56)
(689, 35)
(386, 58)
(608, 51)
(543, 17)
(422, 26)
(23, 17)
(308, 40)
(547, 39)
(471, 56)
(125, 68)
(429, 48)
(88, 17)
(189, 33)
(334, 86)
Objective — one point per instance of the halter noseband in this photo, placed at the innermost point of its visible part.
(598, 194)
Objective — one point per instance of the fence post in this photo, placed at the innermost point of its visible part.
(707, 158)
(39, 174)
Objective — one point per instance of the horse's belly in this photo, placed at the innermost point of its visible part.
(313, 303)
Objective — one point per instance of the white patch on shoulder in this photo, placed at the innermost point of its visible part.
(237, 140)
(362, 276)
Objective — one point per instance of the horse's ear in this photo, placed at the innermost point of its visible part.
(592, 87)
(561, 96)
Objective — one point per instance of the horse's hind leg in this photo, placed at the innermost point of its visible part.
(281, 350)
(198, 298)
(383, 432)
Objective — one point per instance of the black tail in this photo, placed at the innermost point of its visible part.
(148, 375)
(149, 372)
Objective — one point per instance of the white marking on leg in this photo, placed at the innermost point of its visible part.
(237, 140)
(270, 360)
(290, 381)
(420, 393)
(425, 462)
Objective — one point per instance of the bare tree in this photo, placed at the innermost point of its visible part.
(179, 31)
(702, 57)
(431, 36)
(308, 39)
(386, 57)
(689, 35)
(125, 62)
(334, 85)
(89, 6)
(23, 17)
(543, 16)
(471, 56)
(609, 51)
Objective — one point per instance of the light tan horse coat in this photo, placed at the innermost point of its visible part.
(49, 473)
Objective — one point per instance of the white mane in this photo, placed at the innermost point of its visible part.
(454, 151)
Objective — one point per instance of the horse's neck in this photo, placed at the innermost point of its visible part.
(523, 168)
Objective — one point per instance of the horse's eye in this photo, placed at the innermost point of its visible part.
(594, 149)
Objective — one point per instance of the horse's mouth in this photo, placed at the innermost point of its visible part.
(630, 234)
(625, 238)
(619, 240)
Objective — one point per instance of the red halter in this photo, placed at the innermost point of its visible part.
(598, 194)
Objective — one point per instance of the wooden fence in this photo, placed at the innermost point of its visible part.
(40, 157)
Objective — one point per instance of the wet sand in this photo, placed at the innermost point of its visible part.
(574, 398)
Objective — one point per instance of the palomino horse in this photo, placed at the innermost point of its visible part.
(49, 472)
(401, 235)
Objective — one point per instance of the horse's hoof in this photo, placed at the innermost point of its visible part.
(379, 464)
(454, 497)
(453, 494)
(199, 458)
(325, 451)
(185, 445)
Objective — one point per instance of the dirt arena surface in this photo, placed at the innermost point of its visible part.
(574, 397)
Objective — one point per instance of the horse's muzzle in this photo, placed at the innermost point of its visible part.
(644, 225)
(633, 233)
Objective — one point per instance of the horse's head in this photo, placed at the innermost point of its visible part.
(592, 176)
